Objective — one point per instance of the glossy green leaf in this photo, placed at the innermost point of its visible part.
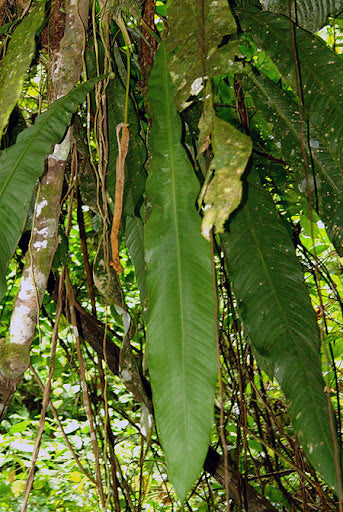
(321, 72)
(281, 114)
(185, 44)
(23, 163)
(180, 327)
(278, 317)
(18, 58)
(311, 15)
(231, 150)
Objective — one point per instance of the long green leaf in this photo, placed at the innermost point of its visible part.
(18, 58)
(135, 174)
(23, 163)
(321, 73)
(281, 114)
(278, 318)
(180, 328)
(311, 15)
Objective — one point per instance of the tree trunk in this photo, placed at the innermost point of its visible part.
(66, 66)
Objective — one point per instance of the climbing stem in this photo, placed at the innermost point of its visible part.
(128, 70)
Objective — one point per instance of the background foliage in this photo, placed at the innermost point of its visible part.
(232, 344)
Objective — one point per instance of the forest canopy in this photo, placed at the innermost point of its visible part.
(171, 255)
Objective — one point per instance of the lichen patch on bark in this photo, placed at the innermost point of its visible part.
(26, 290)
(40, 245)
(40, 206)
(61, 151)
(23, 323)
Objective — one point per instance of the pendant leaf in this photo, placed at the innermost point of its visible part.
(311, 15)
(187, 45)
(321, 73)
(180, 327)
(281, 113)
(231, 149)
(279, 319)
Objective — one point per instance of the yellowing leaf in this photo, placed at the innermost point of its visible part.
(231, 149)
(222, 197)
(75, 476)
(18, 487)
(11, 475)
(143, 482)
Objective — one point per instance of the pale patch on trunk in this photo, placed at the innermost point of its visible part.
(61, 151)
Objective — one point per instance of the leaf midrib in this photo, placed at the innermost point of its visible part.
(26, 148)
(282, 313)
(170, 136)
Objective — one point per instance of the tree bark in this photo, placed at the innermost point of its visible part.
(240, 491)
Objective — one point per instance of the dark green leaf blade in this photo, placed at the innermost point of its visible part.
(180, 328)
(134, 235)
(278, 317)
(18, 58)
(281, 114)
(135, 174)
(23, 163)
(321, 72)
(311, 15)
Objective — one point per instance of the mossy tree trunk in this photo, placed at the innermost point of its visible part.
(65, 70)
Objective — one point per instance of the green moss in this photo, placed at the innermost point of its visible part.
(14, 359)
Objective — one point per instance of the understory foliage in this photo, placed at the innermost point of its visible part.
(171, 255)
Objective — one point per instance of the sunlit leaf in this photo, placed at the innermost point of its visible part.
(180, 327)
(18, 487)
(19, 427)
(279, 320)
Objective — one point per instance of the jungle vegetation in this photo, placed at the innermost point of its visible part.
(171, 255)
